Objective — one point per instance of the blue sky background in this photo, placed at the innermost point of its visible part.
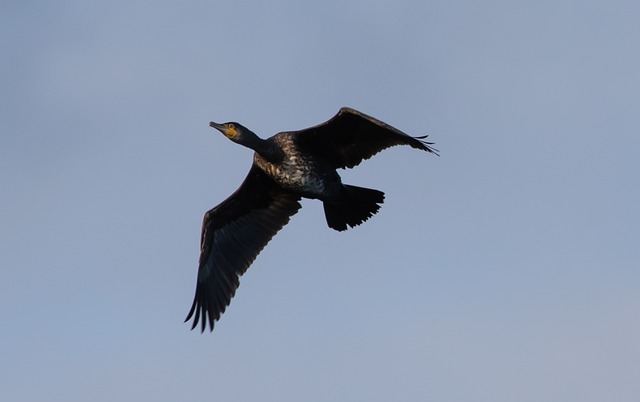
(505, 270)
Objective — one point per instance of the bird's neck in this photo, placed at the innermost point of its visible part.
(267, 149)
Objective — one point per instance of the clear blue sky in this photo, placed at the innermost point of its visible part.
(505, 270)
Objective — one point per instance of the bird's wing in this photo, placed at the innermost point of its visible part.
(233, 234)
(351, 136)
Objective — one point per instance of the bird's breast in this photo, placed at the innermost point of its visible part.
(294, 173)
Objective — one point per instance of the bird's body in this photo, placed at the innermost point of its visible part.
(286, 167)
(302, 173)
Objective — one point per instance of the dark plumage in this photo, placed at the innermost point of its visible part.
(286, 167)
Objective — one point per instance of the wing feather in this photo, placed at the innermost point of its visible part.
(233, 234)
(351, 136)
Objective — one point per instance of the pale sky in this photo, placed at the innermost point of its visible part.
(507, 269)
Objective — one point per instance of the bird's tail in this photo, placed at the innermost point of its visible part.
(358, 205)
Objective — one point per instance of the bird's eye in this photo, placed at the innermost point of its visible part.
(231, 126)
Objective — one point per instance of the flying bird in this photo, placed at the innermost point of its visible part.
(286, 167)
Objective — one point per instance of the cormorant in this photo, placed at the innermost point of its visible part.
(286, 167)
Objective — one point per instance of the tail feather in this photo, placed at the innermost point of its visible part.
(359, 204)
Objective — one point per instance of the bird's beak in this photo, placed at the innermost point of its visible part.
(217, 126)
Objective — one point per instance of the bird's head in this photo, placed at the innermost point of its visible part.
(234, 131)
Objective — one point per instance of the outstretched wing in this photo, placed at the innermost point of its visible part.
(350, 137)
(233, 234)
